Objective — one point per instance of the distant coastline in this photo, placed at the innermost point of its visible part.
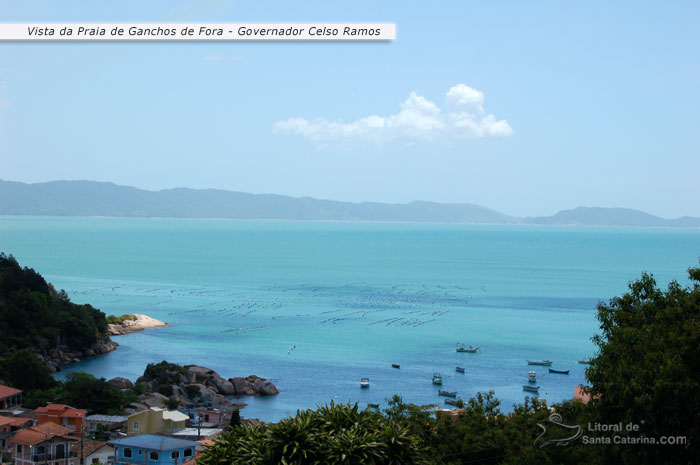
(108, 200)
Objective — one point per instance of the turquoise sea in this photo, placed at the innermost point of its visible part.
(315, 306)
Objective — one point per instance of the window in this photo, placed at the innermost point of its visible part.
(40, 450)
(136, 425)
(153, 456)
(19, 449)
(140, 451)
(206, 418)
(175, 454)
(188, 452)
(127, 452)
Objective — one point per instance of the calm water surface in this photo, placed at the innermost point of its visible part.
(315, 306)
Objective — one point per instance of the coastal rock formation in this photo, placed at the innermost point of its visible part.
(121, 383)
(61, 354)
(138, 323)
(197, 384)
(253, 385)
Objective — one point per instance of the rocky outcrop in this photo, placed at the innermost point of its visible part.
(139, 323)
(253, 385)
(61, 354)
(121, 383)
(197, 384)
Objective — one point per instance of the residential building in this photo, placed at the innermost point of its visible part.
(214, 417)
(104, 423)
(8, 427)
(197, 434)
(93, 452)
(46, 444)
(9, 397)
(64, 415)
(150, 449)
(155, 420)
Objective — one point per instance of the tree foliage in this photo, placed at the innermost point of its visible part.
(83, 390)
(332, 434)
(34, 315)
(647, 371)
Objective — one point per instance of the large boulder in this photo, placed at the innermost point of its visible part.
(267, 389)
(242, 386)
(121, 383)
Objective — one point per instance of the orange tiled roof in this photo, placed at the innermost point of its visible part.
(7, 391)
(88, 446)
(13, 421)
(37, 434)
(64, 410)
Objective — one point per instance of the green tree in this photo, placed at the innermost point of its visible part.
(83, 390)
(24, 370)
(647, 371)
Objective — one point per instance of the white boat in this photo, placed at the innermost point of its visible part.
(364, 383)
(531, 377)
(437, 379)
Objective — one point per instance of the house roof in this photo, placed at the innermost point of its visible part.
(582, 393)
(89, 447)
(153, 442)
(107, 418)
(13, 421)
(37, 434)
(174, 415)
(7, 391)
(62, 410)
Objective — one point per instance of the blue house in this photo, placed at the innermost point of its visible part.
(150, 449)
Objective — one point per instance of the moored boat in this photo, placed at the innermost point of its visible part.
(395, 365)
(531, 388)
(364, 383)
(452, 401)
(437, 378)
(585, 361)
(531, 377)
(560, 372)
(448, 393)
(460, 369)
(544, 363)
(469, 349)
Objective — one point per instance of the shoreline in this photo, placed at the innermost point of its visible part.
(139, 323)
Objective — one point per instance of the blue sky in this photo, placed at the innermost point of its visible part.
(567, 104)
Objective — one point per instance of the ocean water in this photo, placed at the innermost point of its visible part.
(315, 306)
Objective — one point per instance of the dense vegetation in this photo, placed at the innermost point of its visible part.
(117, 320)
(34, 315)
(35, 319)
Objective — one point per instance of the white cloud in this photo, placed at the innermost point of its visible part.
(462, 117)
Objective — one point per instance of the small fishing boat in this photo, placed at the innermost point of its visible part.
(559, 372)
(373, 405)
(460, 369)
(437, 379)
(544, 363)
(448, 393)
(364, 383)
(452, 401)
(585, 361)
(469, 349)
(531, 388)
(531, 377)
(395, 365)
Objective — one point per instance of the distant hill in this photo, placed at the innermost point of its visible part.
(612, 217)
(89, 198)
